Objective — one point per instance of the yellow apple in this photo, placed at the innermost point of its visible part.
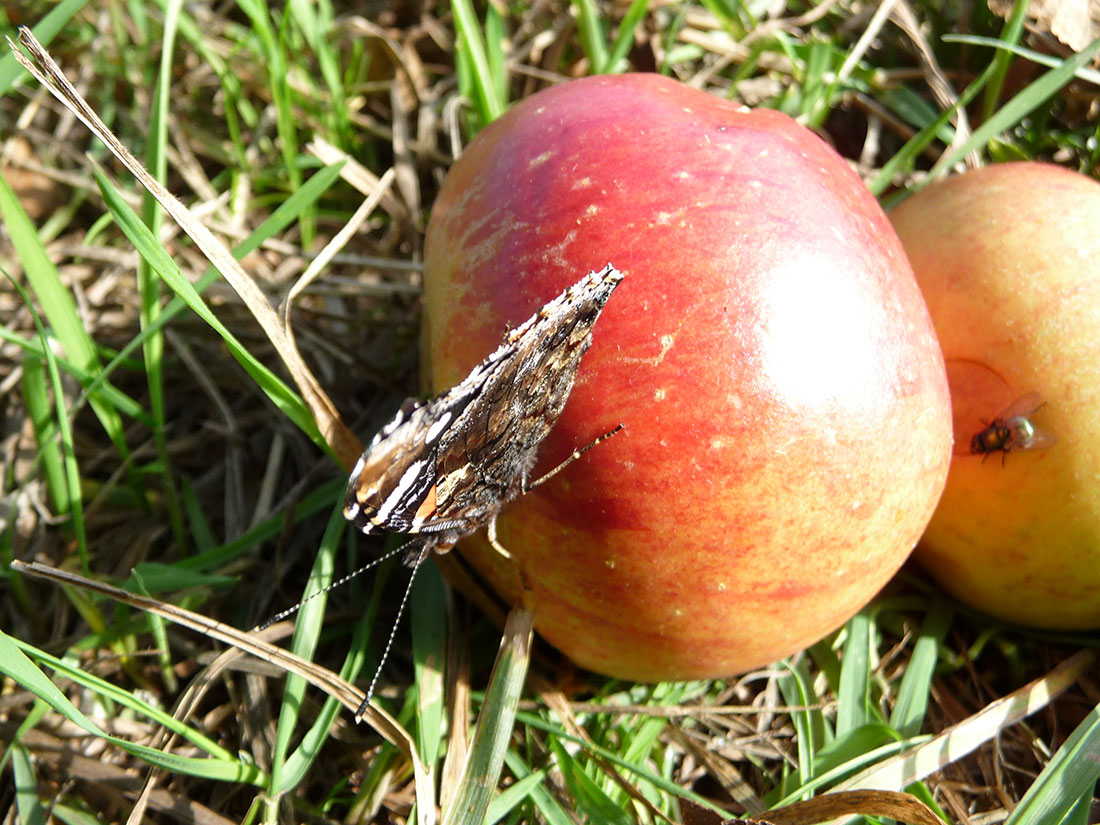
(1008, 258)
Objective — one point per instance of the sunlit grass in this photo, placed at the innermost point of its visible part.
(195, 461)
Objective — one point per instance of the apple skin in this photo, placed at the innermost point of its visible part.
(1008, 257)
(788, 426)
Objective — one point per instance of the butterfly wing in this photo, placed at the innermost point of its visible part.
(447, 467)
(485, 459)
(392, 487)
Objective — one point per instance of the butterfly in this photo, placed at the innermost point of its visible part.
(444, 468)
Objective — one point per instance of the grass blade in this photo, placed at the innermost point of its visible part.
(159, 631)
(1067, 781)
(314, 20)
(624, 39)
(428, 615)
(915, 690)
(512, 796)
(962, 738)
(120, 400)
(139, 235)
(283, 216)
(1086, 74)
(798, 691)
(304, 756)
(44, 30)
(481, 775)
(58, 307)
(905, 158)
(1028, 99)
(854, 691)
(642, 771)
(221, 766)
(149, 286)
(307, 632)
(27, 805)
(494, 51)
(36, 398)
(591, 803)
(1010, 35)
(72, 470)
(479, 78)
(593, 37)
(275, 59)
(547, 805)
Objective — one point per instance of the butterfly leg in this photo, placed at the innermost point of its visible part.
(575, 455)
(521, 576)
(491, 530)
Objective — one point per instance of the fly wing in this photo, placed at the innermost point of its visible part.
(1023, 406)
(1034, 439)
(1023, 434)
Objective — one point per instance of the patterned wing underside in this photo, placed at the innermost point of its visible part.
(447, 467)
(395, 477)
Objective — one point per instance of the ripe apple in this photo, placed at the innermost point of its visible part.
(1008, 258)
(788, 426)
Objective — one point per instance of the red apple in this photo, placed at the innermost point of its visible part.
(1008, 258)
(788, 426)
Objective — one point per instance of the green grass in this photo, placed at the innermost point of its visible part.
(163, 436)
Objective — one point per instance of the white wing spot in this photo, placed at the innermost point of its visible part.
(358, 471)
(438, 427)
(390, 504)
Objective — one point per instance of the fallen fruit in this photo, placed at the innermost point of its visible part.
(788, 427)
(1008, 258)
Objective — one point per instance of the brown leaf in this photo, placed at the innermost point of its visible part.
(692, 813)
(1075, 22)
(900, 806)
(39, 195)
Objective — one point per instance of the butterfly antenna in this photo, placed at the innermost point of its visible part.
(338, 583)
(421, 555)
(573, 457)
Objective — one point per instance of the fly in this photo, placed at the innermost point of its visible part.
(1012, 430)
